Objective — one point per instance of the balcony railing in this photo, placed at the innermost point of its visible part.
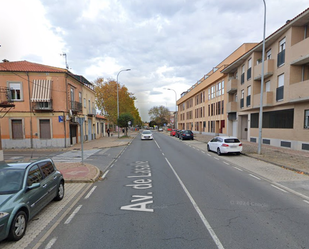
(76, 106)
(231, 86)
(231, 107)
(268, 69)
(267, 99)
(92, 112)
(299, 53)
(298, 92)
(43, 106)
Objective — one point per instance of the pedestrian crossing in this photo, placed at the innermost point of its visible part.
(74, 155)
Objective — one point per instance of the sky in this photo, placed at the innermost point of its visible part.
(167, 44)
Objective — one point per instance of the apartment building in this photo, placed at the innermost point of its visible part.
(285, 89)
(49, 104)
(202, 108)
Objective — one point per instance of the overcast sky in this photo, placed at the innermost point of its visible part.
(165, 43)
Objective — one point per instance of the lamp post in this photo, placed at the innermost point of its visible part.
(262, 85)
(118, 97)
(175, 106)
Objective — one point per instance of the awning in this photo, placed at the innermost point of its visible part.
(41, 91)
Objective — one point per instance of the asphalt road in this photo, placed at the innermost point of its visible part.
(165, 194)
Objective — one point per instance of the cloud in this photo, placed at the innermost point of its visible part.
(164, 43)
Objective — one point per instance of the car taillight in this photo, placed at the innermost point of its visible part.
(225, 145)
(240, 145)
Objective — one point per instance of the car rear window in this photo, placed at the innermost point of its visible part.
(231, 140)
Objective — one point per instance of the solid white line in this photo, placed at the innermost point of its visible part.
(103, 177)
(279, 188)
(51, 243)
(91, 191)
(254, 176)
(306, 201)
(73, 214)
(238, 169)
(197, 209)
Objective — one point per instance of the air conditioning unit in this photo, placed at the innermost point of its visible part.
(74, 119)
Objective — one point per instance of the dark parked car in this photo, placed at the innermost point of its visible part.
(25, 189)
(178, 133)
(186, 134)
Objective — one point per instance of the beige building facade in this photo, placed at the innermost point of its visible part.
(285, 92)
(48, 106)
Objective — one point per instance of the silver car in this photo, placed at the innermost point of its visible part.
(25, 189)
(146, 135)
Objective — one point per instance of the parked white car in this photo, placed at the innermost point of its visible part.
(224, 145)
(146, 134)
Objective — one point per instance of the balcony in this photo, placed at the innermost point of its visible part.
(299, 53)
(43, 106)
(92, 112)
(268, 69)
(231, 107)
(268, 98)
(231, 86)
(76, 106)
(298, 92)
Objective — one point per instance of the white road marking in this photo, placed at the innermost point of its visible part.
(279, 188)
(217, 158)
(238, 169)
(254, 176)
(103, 177)
(51, 243)
(306, 201)
(90, 192)
(206, 223)
(73, 215)
(226, 163)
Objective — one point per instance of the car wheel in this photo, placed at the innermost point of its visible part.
(60, 192)
(219, 152)
(18, 226)
(208, 149)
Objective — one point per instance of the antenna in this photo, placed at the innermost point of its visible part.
(66, 62)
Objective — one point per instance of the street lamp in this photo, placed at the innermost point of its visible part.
(262, 85)
(175, 105)
(118, 98)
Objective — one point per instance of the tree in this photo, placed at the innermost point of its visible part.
(106, 100)
(124, 119)
(159, 114)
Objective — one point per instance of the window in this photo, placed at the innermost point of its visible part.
(17, 129)
(45, 129)
(242, 77)
(242, 99)
(219, 89)
(306, 119)
(47, 168)
(85, 103)
(280, 89)
(34, 175)
(16, 90)
(249, 69)
(281, 54)
(249, 96)
(80, 97)
(209, 93)
(222, 87)
(268, 54)
(267, 86)
(213, 89)
(282, 119)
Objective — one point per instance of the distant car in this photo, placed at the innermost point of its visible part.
(160, 129)
(25, 189)
(146, 135)
(173, 132)
(186, 134)
(224, 145)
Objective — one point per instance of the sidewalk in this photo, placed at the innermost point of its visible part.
(297, 161)
(78, 172)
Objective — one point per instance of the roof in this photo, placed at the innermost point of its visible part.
(26, 66)
(100, 116)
